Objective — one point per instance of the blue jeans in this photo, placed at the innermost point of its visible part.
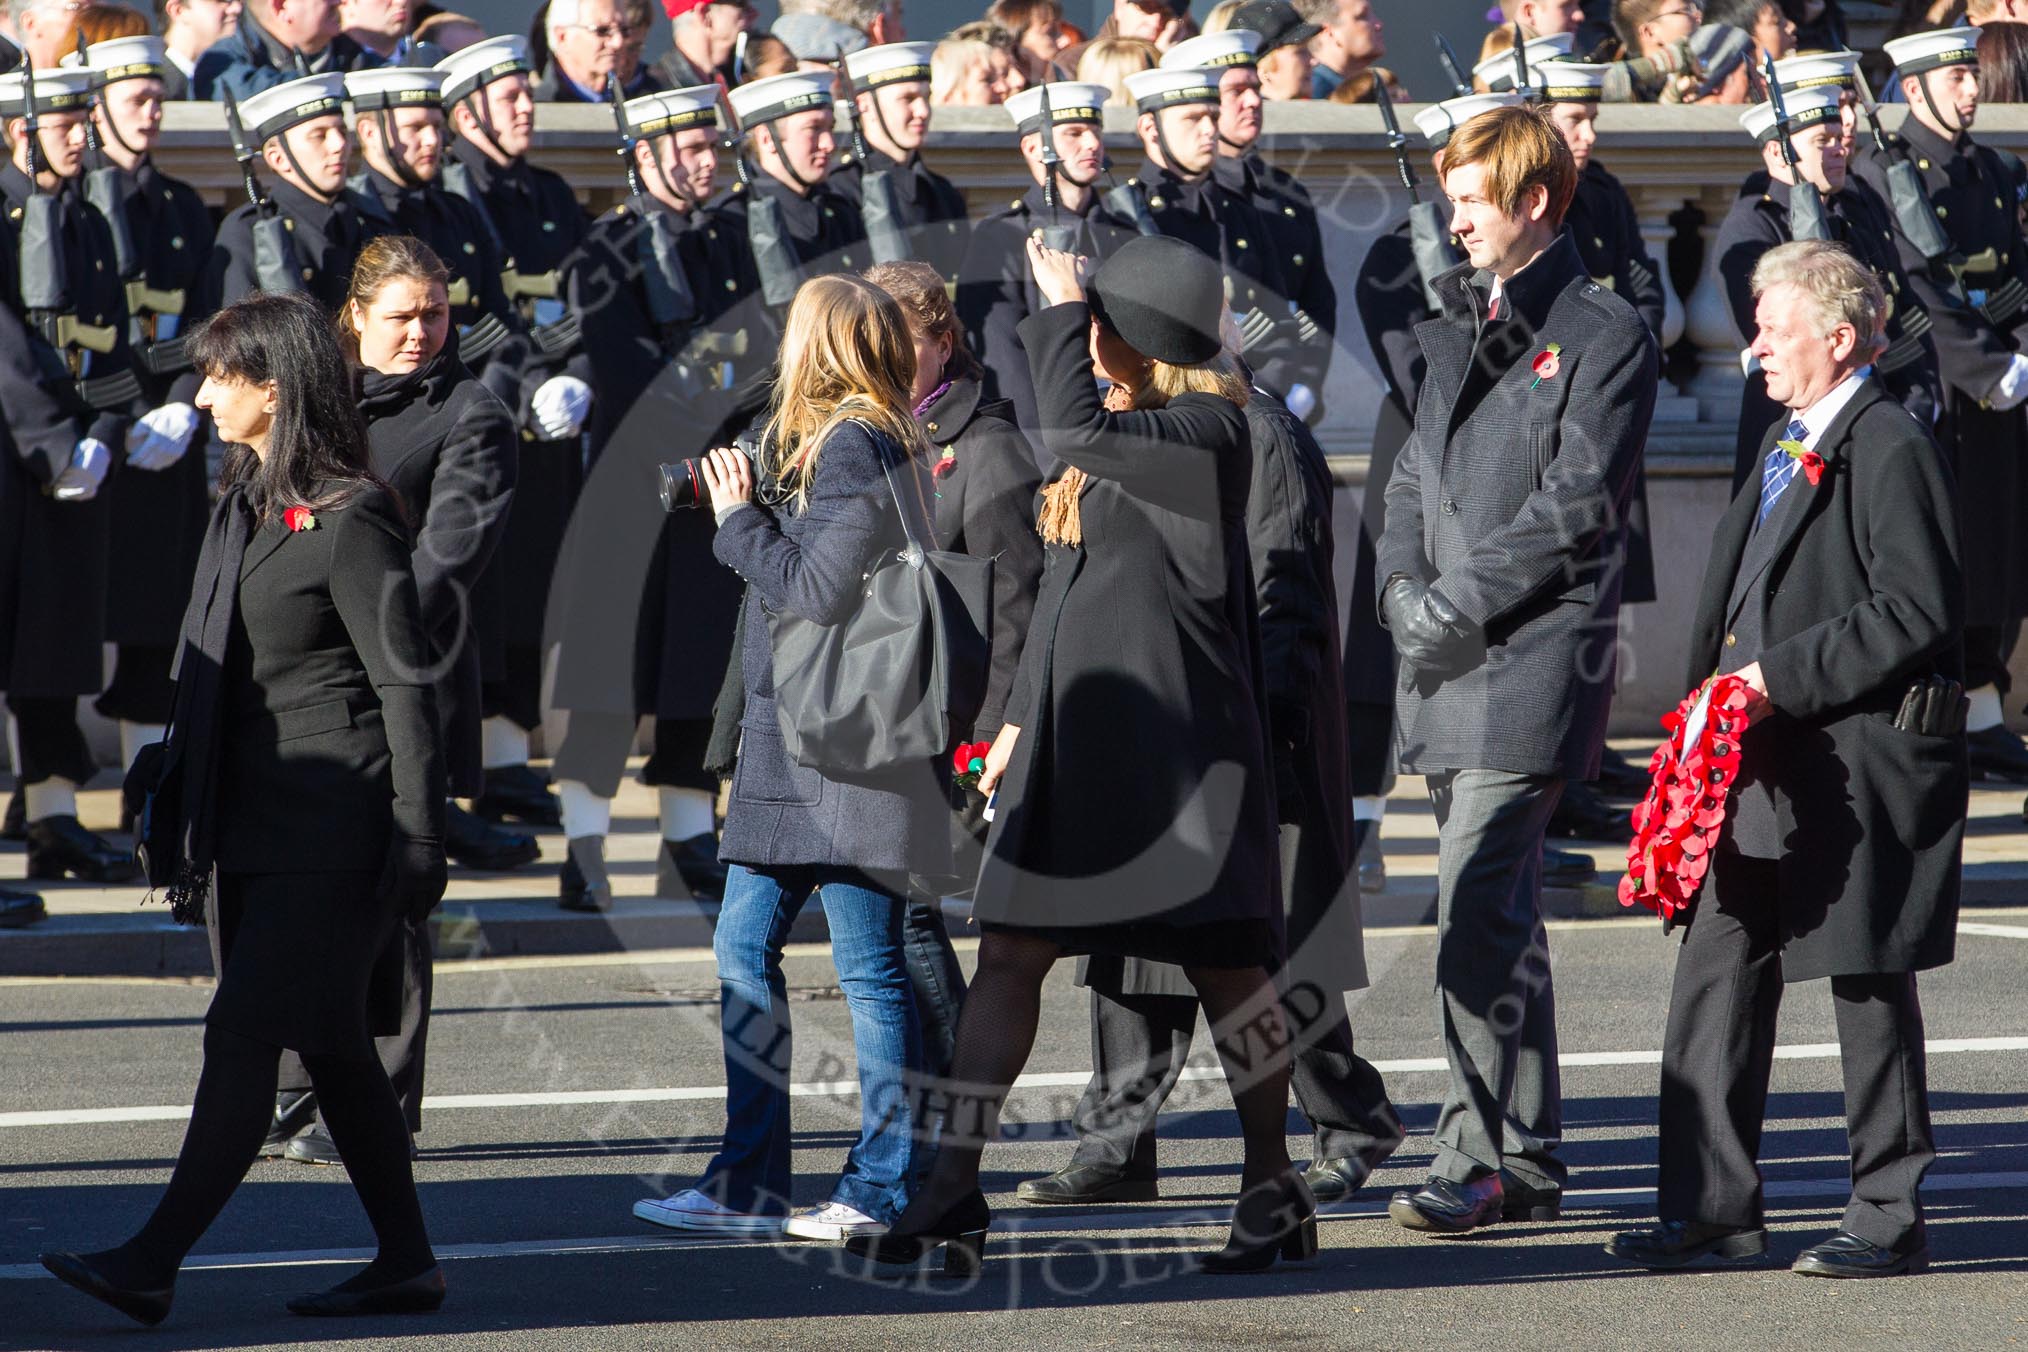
(751, 1170)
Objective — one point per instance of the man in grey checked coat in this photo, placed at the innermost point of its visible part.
(1500, 571)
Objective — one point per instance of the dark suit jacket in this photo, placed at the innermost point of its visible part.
(1510, 498)
(330, 746)
(1857, 593)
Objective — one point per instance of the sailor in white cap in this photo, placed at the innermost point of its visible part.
(1174, 193)
(489, 102)
(638, 288)
(1827, 70)
(65, 391)
(1060, 131)
(1979, 307)
(890, 87)
(1858, 218)
(298, 131)
(162, 241)
(1437, 121)
(1497, 71)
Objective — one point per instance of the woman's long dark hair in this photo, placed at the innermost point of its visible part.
(2003, 63)
(316, 454)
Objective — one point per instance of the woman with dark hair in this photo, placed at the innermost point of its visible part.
(1136, 818)
(447, 448)
(299, 801)
(985, 479)
(2003, 63)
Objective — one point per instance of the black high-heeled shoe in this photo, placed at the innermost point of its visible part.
(1274, 1220)
(960, 1232)
(146, 1307)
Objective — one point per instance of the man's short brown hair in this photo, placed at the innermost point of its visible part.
(1518, 149)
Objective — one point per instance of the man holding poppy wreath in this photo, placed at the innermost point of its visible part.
(1834, 593)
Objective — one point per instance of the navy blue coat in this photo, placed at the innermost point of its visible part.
(810, 563)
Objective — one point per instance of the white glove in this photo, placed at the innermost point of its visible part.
(1302, 400)
(560, 406)
(160, 436)
(80, 480)
(2012, 386)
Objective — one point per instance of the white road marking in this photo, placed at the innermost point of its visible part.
(1980, 927)
(1065, 1079)
(1211, 1212)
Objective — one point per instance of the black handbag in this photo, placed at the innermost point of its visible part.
(903, 675)
(154, 797)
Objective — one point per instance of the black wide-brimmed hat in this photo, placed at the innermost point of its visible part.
(1163, 298)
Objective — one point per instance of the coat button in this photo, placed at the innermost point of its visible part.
(929, 427)
(309, 274)
(1731, 641)
(1941, 213)
(288, 223)
(1450, 507)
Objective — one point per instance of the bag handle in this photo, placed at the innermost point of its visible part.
(916, 552)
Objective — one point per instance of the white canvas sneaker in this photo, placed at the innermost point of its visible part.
(833, 1220)
(692, 1210)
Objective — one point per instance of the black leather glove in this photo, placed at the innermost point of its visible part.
(415, 876)
(1428, 631)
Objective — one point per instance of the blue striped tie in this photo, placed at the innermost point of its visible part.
(1780, 468)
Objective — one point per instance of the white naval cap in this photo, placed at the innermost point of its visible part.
(470, 69)
(889, 63)
(1069, 101)
(56, 91)
(780, 96)
(1805, 108)
(1153, 90)
(1233, 47)
(1498, 70)
(395, 87)
(672, 110)
(1439, 120)
(135, 58)
(1818, 68)
(1569, 82)
(1933, 50)
(277, 108)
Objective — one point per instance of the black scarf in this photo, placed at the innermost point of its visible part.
(194, 726)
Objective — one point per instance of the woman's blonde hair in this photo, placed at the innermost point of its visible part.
(1109, 61)
(846, 355)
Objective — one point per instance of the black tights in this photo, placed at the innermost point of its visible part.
(228, 1121)
(996, 1031)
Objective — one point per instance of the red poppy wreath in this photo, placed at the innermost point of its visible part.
(1676, 826)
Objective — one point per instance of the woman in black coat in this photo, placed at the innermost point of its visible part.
(300, 799)
(1135, 813)
(446, 446)
(985, 484)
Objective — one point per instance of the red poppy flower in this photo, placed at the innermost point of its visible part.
(299, 518)
(1678, 822)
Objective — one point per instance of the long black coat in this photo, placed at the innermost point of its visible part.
(932, 209)
(54, 555)
(1860, 595)
(158, 516)
(447, 448)
(325, 235)
(1510, 499)
(997, 293)
(1139, 791)
(810, 563)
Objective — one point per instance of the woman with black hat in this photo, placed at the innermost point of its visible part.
(1134, 813)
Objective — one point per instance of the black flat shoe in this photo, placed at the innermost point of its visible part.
(1846, 1255)
(1678, 1244)
(418, 1295)
(959, 1232)
(1277, 1220)
(519, 792)
(474, 843)
(576, 892)
(60, 845)
(1075, 1184)
(1442, 1207)
(146, 1307)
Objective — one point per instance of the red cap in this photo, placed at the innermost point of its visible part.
(677, 8)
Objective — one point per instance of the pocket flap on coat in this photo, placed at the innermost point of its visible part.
(312, 719)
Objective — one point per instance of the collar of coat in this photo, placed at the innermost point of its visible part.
(950, 415)
(1935, 148)
(1527, 296)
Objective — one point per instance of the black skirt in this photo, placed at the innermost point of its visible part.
(1215, 943)
(309, 961)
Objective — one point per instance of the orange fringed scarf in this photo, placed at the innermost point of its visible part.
(1060, 522)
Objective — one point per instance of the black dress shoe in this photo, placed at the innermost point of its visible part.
(1846, 1255)
(14, 826)
(959, 1232)
(60, 845)
(295, 1111)
(1077, 1183)
(1335, 1180)
(1996, 753)
(575, 893)
(1676, 1244)
(520, 792)
(418, 1295)
(19, 910)
(147, 1307)
(1566, 868)
(690, 868)
(1520, 1202)
(1372, 863)
(1443, 1207)
(1582, 815)
(474, 843)
(313, 1145)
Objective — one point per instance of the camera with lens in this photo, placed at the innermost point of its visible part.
(682, 483)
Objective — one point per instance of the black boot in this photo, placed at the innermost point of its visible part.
(690, 868)
(1277, 1219)
(583, 885)
(60, 845)
(474, 843)
(517, 791)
